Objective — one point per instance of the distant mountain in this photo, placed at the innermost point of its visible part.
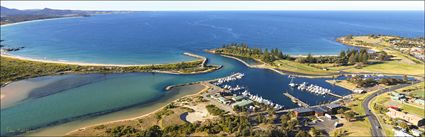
(9, 15)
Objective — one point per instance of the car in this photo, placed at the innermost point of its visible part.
(379, 127)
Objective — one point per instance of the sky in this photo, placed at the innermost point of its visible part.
(217, 5)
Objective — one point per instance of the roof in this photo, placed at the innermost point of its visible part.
(303, 110)
(222, 99)
(237, 97)
(332, 106)
(319, 110)
(242, 103)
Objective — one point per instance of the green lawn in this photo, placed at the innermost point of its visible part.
(293, 66)
(392, 67)
(413, 109)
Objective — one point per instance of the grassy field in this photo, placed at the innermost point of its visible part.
(343, 83)
(417, 90)
(391, 67)
(417, 110)
(303, 68)
(400, 64)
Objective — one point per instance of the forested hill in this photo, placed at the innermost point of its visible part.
(9, 15)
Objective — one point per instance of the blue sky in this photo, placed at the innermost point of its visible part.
(217, 5)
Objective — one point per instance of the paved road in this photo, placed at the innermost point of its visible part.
(376, 126)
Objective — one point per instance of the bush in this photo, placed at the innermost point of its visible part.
(214, 110)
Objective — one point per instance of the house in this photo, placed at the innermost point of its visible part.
(242, 103)
(398, 96)
(333, 108)
(223, 100)
(303, 112)
(220, 98)
(414, 119)
(399, 133)
(359, 91)
(420, 101)
(416, 132)
(319, 111)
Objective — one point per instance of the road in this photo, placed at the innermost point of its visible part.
(376, 126)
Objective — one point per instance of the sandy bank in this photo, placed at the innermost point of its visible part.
(73, 63)
(178, 89)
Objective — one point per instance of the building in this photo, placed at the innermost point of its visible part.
(333, 108)
(397, 96)
(237, 98)
(223, 100)
(416, 132)
(220, 98)
(420, 101)
(399, 133)
(303, 112)
(242, 103)
(414, 119)
(359, 91)
(319, 111)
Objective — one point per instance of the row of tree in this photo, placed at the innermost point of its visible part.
(242, 49)
(369, 82)
(349, 57)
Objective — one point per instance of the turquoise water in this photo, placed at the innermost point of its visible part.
(161, 37)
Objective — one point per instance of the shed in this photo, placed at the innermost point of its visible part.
(303, 112)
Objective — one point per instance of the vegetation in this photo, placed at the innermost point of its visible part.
(369, 82)
(243, 50)
(16, 69)
(214, 110)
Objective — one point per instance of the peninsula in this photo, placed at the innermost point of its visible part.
(17, 68)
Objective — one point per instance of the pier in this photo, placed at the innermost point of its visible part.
(335, 95)
(299, 102)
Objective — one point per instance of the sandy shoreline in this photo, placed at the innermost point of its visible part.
(134, 118)
(76, 63)
(38, 20)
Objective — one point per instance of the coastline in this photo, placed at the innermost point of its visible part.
(114, 68)
(38, 20)
(144, 115)
(79, 63)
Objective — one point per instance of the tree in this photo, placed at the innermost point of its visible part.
(350, 115)
(302, 134)
(340, 111)
(285, 118)
(314, 132)
(340, 133)
(403, 125)
(310, 58)
(342, 54)
(352, 59)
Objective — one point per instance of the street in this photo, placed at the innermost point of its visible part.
(376, 126)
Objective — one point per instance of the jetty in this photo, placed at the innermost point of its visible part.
(294, 99)
(204, 59)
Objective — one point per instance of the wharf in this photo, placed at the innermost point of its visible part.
(294, 99)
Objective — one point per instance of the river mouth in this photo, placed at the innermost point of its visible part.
(91, 101)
